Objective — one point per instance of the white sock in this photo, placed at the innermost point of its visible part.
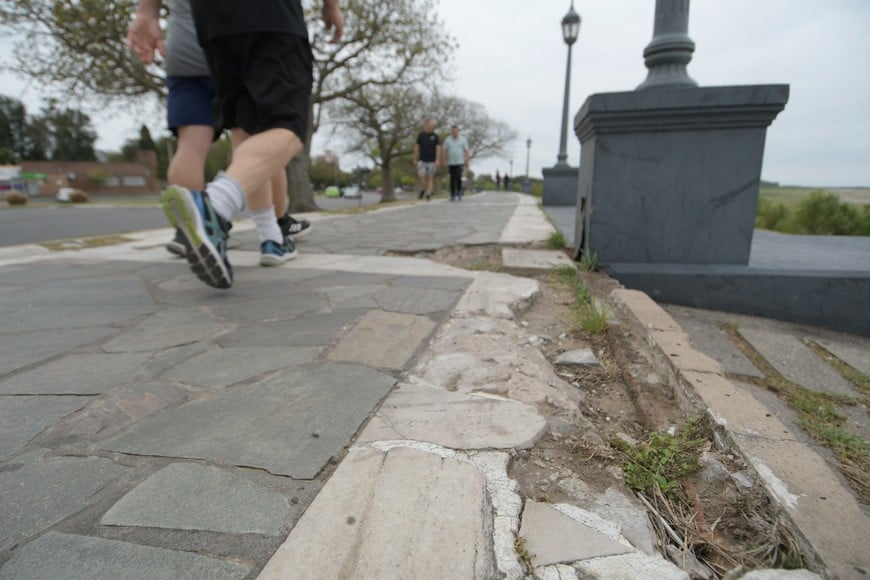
(226, 195)
(267, 225)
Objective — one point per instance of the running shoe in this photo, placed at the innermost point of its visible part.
(293, 228)
(178, 245)
(205, 231)
(274, 254)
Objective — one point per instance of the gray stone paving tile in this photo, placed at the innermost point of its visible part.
(223, 367)
(22, 418)
(71, 557)
(710, 340)
(168, 328)
(306, 330)
(166, 359)
(440, 282)
(273, 308)
(187, 496)
(416, 300)
(109, 413)
(353, 296)
(336, 279)
(78, 374)
(795, 361)
(24, 349)
(289, 424)
(268, 283)
(854, 352)
(37, 493)
(75, 303)
(65, 268)
(385, 340)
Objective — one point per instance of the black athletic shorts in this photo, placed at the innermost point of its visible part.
(263, 81)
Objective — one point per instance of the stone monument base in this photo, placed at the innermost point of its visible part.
(560, 185)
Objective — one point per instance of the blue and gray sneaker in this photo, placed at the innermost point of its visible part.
(274, 254)
(205, 231)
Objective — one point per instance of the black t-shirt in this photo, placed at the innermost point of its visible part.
(228, 17)
(428, 143)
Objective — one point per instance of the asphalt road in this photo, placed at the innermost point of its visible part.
(27, 225)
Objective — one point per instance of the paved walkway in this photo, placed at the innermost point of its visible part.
(348, 415)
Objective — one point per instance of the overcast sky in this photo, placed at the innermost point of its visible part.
(511, 58)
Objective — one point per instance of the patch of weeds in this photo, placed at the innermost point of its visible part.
(818, 416)
(663, 460)
(84, 243)
(850, 373)
(556, 241)
(592, 318)
(589, 261)
(525, 557)
(482, 266)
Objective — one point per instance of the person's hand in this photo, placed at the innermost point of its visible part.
(144, 37)
(334, 19)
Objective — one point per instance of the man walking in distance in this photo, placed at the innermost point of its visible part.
(261, 62)
(190, 117)
(427, 157)
(456, 156)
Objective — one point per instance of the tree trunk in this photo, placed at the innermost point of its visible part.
(387, 187)
(299, 191)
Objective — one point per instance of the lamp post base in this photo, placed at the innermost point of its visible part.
(560, 185)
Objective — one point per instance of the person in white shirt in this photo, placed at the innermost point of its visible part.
(457, 155)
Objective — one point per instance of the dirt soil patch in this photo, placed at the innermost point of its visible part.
(716, 519)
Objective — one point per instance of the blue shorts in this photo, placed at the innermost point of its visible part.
(191, 101)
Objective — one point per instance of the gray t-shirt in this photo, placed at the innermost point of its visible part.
(184, 56)
(455, 149)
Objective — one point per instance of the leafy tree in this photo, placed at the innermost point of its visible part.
(71, 135)
(79, 48)
(13, 120)
(381, 123)
(8, 156)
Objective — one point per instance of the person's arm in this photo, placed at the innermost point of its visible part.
(438, 156)
(416, 153)
(334, 19)
(467, 154)
(144, 35)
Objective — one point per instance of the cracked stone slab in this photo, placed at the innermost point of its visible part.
(455, 420)
(535, 260)
(415, 300)
(480, 355)
(635, 565)
(280, 307)
(22, 418)
(552, 537)
(37, 492)
(710, 340)
(384, 340)
(186, 496)
(493, 294)
(78, 374)
(306, 330)
(19, 350)
(403, 513)
(57, 555)
(168, 328)
(795, 361)
(220, 368)
(288, 424)
(109, 413)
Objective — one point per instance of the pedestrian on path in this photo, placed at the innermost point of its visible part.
(507, 182)
(497, 180)
(261, 61)
(190, 118)
(456, 156)
(427, 158)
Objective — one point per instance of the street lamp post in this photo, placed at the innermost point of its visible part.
(570, 32)
(527, 186)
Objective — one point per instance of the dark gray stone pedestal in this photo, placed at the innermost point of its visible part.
(671, 175)
(560, 185)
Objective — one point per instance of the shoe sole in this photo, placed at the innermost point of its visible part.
(204, 259)
(271, 260)
(176, 248)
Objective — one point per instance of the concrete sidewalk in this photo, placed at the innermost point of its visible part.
(351, 414)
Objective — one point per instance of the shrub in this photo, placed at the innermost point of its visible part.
(824, 214)
(15, 198)
(771, 216)
(78, 196)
